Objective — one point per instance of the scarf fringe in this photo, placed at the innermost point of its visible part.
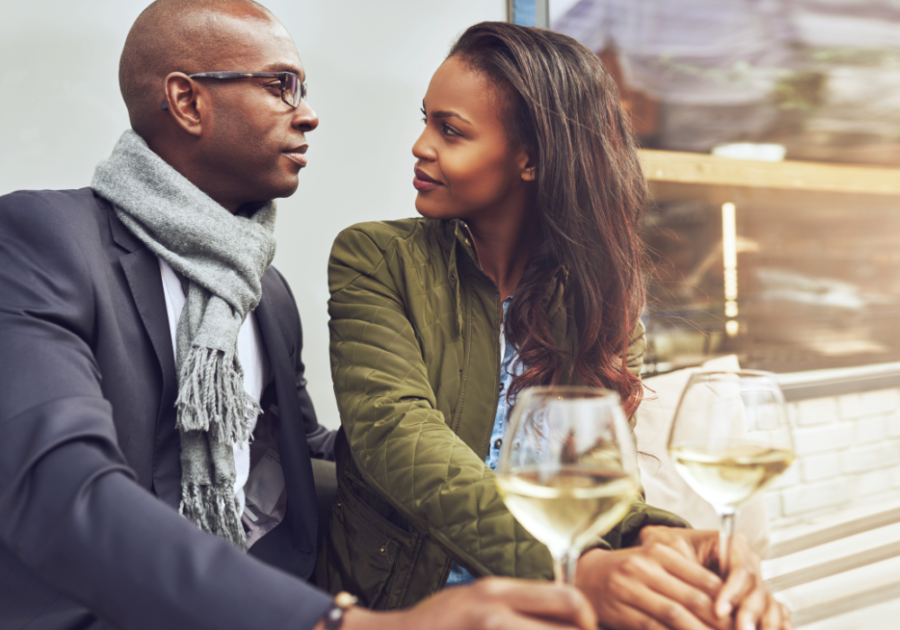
(213, 510)
(211, 397)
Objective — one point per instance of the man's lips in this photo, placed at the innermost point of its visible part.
(296, 155)
(424, 183)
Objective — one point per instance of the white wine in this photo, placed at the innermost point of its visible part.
(728, 476)
(569, 506)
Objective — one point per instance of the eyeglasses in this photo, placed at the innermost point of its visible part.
(293, 90)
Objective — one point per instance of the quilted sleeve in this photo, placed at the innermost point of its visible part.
(625, 534)
(400, 441)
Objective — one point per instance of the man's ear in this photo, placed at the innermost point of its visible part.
(184, 102)
(527, 164)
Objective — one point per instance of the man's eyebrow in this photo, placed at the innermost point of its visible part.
(447, 114)
(283, 67)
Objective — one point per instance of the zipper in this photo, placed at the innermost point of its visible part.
(500, 307)
(500, 310)
(474, 246)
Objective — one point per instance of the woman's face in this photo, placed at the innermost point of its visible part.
(465, 164)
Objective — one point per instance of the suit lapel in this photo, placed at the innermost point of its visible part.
(141, 268)
(293, 448)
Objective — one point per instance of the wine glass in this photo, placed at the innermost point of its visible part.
(567, 469)
(729, 440)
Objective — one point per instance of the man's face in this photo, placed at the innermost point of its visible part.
(253, 143)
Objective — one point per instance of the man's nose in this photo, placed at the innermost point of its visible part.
(304, 117)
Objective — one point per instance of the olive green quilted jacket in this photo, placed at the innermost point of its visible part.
(415, 357)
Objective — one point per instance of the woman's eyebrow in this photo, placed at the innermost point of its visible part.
(448, 114)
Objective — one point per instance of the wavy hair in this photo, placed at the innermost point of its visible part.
(590, 196)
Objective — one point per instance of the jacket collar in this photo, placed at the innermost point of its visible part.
(456, 237)
(120, 234)
(454, 242)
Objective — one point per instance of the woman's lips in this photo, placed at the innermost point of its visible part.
(423, 183)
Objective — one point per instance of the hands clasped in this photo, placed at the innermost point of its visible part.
(668, 582)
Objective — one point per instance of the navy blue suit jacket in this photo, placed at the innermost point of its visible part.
(90, 476)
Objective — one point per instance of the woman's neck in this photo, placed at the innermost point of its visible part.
(504, 244)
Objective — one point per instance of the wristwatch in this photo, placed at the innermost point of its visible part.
(334, 616)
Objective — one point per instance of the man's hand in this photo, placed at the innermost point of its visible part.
(657, 585)
(489, 604)
(744, 590)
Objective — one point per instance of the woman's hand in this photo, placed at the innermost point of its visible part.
(744, 596)
(658, 585)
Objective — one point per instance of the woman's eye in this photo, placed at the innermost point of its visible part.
(449, 131)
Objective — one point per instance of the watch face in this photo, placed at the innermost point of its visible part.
(334, 618)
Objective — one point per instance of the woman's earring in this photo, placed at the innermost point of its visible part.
(164, 105)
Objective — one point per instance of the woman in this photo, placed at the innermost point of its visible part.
(524, 270)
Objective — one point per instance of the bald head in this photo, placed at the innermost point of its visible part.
(187, 36)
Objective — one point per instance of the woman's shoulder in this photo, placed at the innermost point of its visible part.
(366, 247)
(383, 232)
(412, 233)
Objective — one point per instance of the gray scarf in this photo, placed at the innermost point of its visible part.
(221, 258)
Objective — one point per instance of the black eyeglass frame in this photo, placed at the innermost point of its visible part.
(298, 89)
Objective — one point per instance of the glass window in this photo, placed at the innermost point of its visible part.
(788, 255)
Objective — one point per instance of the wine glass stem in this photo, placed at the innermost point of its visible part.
(565, 567)
(726, 531)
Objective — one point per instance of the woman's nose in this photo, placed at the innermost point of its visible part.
(422, 149)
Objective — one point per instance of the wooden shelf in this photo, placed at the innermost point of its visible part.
(683, 176)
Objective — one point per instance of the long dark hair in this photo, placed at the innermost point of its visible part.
(563, 104)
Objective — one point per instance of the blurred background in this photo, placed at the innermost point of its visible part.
(815, 280)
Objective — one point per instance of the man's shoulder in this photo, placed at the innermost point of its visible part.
(66, 230)
(275, 284)
(280, 304)
(43, 207)
(277, 293)
(51, 198)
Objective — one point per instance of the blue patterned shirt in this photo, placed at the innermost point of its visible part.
(508, 370)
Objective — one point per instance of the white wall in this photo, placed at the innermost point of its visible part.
(848, 456)
(368, 65)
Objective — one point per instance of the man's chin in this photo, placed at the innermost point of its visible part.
(286, 193)
(285, 188)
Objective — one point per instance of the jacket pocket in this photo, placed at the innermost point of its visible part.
(363, 549)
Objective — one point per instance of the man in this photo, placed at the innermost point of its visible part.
(144, 339)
